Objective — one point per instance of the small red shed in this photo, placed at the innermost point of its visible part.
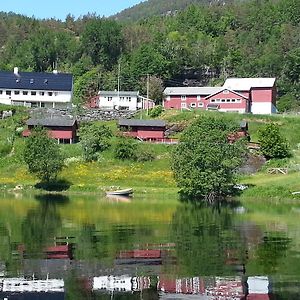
(63, 129)
(149, 130)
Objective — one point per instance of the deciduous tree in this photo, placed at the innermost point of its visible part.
(42, 155)
(204, 162)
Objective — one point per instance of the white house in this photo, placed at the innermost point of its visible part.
(119, 100)
(36, 89)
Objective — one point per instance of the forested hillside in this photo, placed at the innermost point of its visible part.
(152, 8)
(199, 45)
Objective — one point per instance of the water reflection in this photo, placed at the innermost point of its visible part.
(88, 249)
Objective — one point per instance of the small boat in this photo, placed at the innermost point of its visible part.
(120, 192)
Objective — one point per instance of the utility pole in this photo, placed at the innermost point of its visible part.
(148, 79)
(119, 71)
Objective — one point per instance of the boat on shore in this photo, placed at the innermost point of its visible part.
(124, 192)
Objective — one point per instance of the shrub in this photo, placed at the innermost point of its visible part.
(94, 139)
(156, 111)
(126, 148)
(144, 155)
(272, 143)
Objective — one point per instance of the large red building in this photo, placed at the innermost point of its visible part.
(242, 95)
(63, 129)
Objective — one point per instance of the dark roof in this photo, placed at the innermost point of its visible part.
(138, 122)
(36, 81)
(56, 121)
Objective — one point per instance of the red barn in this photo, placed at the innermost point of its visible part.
(261, 93)
(243, 95)
(61, 128)
(143, 129)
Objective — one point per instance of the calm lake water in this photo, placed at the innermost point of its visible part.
(147, 247)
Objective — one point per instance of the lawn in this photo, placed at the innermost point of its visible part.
(149, 176)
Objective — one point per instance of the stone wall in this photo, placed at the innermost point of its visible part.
(84, 115)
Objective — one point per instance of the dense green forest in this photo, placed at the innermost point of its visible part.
(152, 8)
(202, 44)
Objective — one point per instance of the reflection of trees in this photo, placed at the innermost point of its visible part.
(41, 224)
(271, 250)
(206, 244)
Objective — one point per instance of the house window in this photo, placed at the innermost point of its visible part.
(17, 92)
(122, 98)
(200, 104)
(25, 93)
(213, 100)
(227, 100)
(238, 100)
(1, 92)
(128, 98)
(232, 100)
(198, 97)
(183, 105)
(223, 100)
(42, 93)
(8, 93)
(50, 93)
(193, 104)
(183, 98)
(109, 98)
(55, 93)
(33, 93)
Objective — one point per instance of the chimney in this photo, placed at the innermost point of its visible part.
(16, 70)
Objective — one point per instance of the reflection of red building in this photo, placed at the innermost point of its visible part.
(64, 130)
(139, 256)
(222, 288)
(53, 252)
(143, 129)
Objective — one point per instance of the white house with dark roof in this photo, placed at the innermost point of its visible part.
(36, 89)
(122, 100)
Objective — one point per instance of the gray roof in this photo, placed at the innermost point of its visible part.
(120, 93)
(138, 122)
(55, 121)
(36, 81)
(197, 91)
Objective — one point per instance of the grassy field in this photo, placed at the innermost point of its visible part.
(146, 177)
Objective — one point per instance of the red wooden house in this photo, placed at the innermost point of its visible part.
(261, 93)
(242, 95)
(148, 130)
(187, 97)
(63, 129)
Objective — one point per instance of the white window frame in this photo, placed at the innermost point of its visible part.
(200, 104)
(193, 105)
(183, 97)
(198, 97)
(183, 104)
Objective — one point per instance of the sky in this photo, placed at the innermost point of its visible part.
(59, 9)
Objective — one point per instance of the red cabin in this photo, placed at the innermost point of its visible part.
(149, 130)
(61, 128)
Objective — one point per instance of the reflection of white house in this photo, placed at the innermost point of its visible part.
(112, 283)
(119, 100)
(22, 285)
(34, 89)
